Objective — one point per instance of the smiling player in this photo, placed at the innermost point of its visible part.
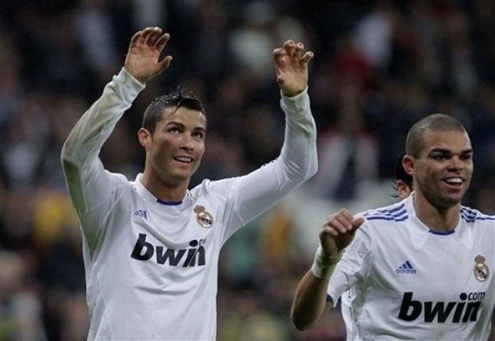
(151, 246)
(418, 269)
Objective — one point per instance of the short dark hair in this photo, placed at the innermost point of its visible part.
(180, 97)
(435, 122)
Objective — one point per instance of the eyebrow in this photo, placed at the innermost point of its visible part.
(442, 150)
(182, 125)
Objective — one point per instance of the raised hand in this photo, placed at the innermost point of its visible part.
(291, 67)
(338, 231)
(142, 60)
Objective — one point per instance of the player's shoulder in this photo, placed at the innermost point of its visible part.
(393, 213)
(118, 178)
(120, 182)
(207, 187)
(472, 216)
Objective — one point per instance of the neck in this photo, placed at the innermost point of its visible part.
(162, 190)
(437, 219)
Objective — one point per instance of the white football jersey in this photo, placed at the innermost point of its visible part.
(400, 280)
(151, 266)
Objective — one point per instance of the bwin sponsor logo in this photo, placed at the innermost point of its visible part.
(144, 251)
(463, 311)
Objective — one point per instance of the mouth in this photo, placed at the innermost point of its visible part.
(184, 159)
(454, 182)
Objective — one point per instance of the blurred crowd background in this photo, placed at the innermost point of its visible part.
(378, 67)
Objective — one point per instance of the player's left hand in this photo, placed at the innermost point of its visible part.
(291, 67)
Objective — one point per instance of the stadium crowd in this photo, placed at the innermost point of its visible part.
(379, 66)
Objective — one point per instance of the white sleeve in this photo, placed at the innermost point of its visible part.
(90, 186)
(254, 193)
(353, 266)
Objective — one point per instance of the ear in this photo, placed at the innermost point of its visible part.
(408, 164)
(403, 189)
(144, 137)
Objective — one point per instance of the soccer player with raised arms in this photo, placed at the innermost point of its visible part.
(418, 269)
(151, 246)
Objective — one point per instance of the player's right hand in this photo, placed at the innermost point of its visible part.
(142, 60)
(338, 231)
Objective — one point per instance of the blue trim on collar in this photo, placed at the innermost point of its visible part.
(442, 233)
(168, 203)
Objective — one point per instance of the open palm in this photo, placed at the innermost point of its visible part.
(143, 56)
(291, 67)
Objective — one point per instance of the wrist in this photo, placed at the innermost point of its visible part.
(136, 78)
(292, 93)
(324, 264)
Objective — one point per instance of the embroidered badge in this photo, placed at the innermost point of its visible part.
(481, 271)
(204, 218)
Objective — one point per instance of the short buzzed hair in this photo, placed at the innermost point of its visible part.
(180, 97)
(436, 122)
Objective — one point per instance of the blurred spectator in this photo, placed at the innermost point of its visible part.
(348, 151)
(94, 29)
(19, 300)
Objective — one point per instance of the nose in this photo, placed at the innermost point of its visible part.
(187, 142)
(456, 163)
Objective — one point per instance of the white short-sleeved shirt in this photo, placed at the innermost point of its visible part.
(400, 280)
(151, 267)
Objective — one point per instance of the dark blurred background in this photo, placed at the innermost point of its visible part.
(379, 66)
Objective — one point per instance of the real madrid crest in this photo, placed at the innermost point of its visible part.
(481, 271)
(204, 218)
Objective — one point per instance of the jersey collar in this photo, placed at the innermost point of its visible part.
(148, 196)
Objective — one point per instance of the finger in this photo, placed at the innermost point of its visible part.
(146, 32)
(165, 63)
(290, 47)
(357, 222)
(153, 37)
(149, 34)
(162, 41)
(328, 230)
(278, 54)
(345, 222)
(136, 37)
(342, 211)
(298, 49)
(331, 217)
(338, 226)
(346, 213)
(307, 57)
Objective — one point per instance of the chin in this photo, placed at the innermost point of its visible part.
(450, 202)
(179, 178)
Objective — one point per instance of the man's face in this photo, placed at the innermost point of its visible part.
(175, 149)
(443, 171)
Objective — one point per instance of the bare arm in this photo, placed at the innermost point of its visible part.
(310, 298)
(309, 301)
